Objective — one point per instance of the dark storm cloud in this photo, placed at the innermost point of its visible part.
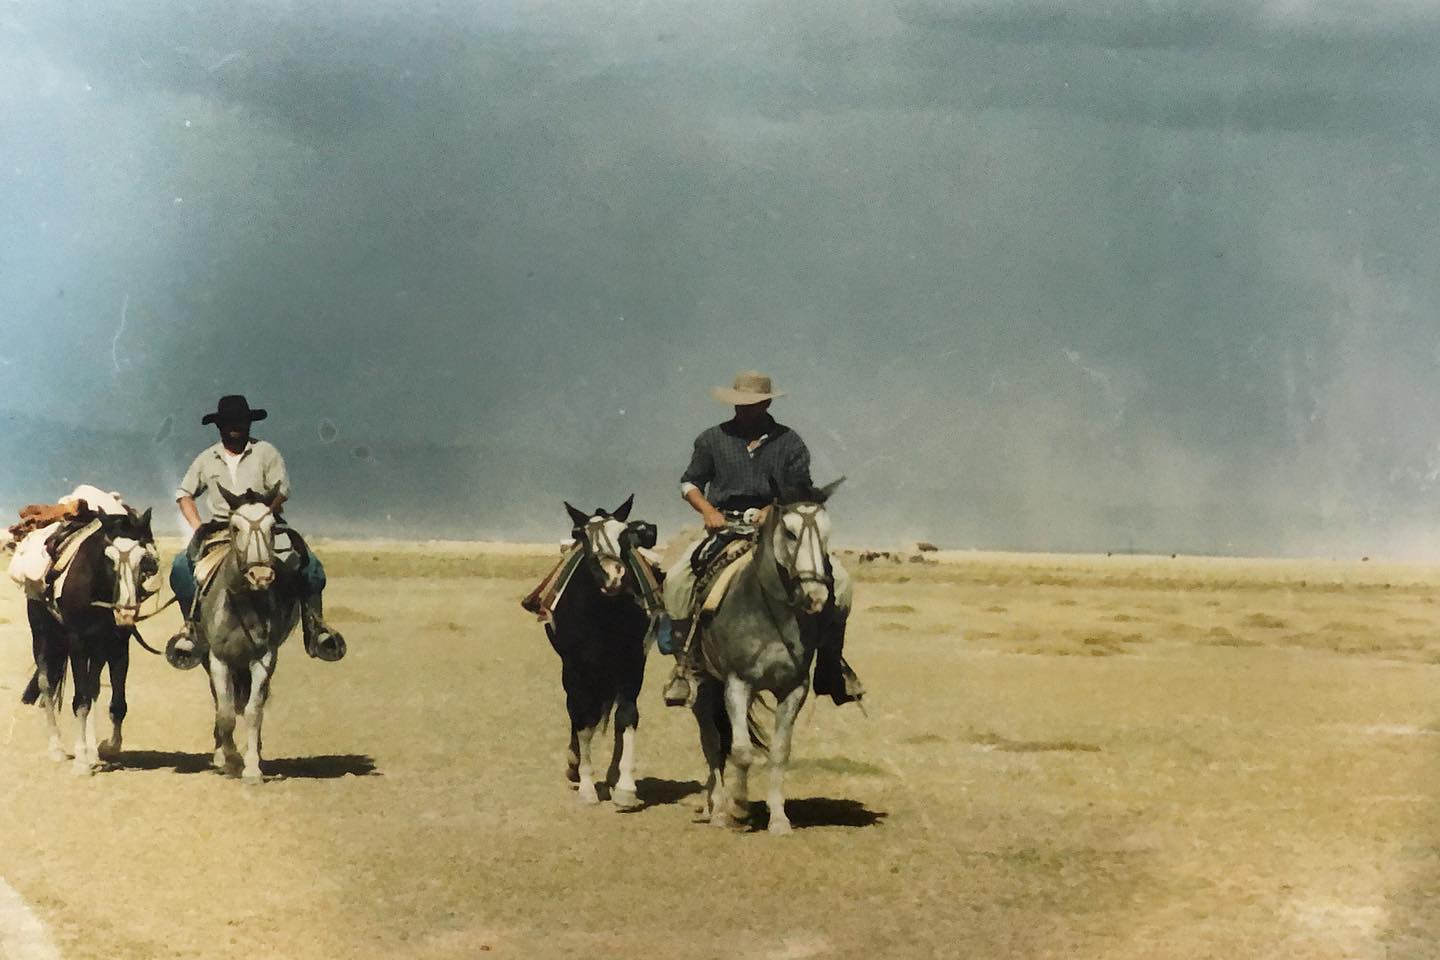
(1037, 275)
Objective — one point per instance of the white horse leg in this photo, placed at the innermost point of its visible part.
(737, 705)
(785, 713)
(583, 737)
(260, 672)
(49, 701)
(623, 796)
(226, 756)
(81, 764)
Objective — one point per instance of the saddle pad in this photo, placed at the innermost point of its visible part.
(721, 585)
(69, 548)
(212, 554)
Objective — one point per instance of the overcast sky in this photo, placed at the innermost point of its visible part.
(1051, 275)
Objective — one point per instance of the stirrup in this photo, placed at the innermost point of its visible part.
(672, 693)
(179, 658)
(322, 643)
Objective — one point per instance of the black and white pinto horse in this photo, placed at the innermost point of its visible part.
(89, 629)
(599, 631)
(244, 614)
(763, 637)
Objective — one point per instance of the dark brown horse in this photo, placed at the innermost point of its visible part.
(89, 629)
(599, 630)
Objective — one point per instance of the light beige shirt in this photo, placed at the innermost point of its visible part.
(260, 467)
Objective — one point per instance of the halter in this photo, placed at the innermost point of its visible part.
(257, 552)
(809, 538)
(601, 546)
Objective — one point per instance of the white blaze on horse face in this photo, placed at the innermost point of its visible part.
(125, 554)
(603, 535)
(804, 536)
(252, 532)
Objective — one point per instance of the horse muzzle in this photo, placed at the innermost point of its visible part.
(126, 616)
(259, 577)
(612, 578)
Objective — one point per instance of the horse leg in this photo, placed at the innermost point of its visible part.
(50, 658)
(623, 796)
(785, 713)
(85, 670)
(712, 744)
(627, 722)
(260, 672)
(227, 758)
(586, 771)
(737, 705)
(119, 669)
(572, 758)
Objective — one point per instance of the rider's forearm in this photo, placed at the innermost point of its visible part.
(190, 512)
(697, 501)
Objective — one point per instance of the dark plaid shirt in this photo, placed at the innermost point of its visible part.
(733, 477)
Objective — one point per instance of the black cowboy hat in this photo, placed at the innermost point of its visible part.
(234, 407)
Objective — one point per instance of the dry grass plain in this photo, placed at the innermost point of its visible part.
(1064, 757)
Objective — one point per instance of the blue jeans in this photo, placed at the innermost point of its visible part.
(182, 578)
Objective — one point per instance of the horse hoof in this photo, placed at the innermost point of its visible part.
(739, 812)
(82, 769)
(722, 820)
(587, 795)
(625, 799)
(572, 773)
(108, 750)
(58, 755)
(779, 828)
(252, 778)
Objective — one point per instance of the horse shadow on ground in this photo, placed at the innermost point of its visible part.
(807, 812)
(324, 767)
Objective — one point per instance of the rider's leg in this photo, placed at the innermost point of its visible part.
(320, 640)
(679, 590)
(181, 651)
(833, 675)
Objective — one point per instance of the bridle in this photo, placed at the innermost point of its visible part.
(809, 538)
(601, 546)
(251, 547)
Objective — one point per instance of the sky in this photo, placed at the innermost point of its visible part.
(1036, 274)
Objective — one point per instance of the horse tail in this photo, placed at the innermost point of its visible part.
(32, 689)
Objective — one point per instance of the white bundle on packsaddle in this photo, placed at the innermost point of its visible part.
(30, 565)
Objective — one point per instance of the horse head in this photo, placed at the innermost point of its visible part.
(129, 549)
(252, 535)
(797, 533)
(600, 533)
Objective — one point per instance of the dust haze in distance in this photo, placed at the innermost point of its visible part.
(1037, 275)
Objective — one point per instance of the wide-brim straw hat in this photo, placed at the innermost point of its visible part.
(750, 387)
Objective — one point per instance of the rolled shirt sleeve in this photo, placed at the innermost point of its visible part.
(702, 467)
(274, 473)
(192, 485)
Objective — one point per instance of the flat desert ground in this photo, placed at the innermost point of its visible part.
(1063, 757)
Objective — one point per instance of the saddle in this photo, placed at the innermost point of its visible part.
(716, 563)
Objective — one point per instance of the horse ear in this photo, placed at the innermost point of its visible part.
(145, 523)
(622, 512)
(271, 495)
(827, 491)
(580, 518)
(232, 501)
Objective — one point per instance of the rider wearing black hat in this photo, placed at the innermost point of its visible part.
(239, 463)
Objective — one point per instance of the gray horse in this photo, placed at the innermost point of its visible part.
(762, 637)
(244, 614)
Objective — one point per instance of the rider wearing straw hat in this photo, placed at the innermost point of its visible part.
(736, 466)
(240, 464)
